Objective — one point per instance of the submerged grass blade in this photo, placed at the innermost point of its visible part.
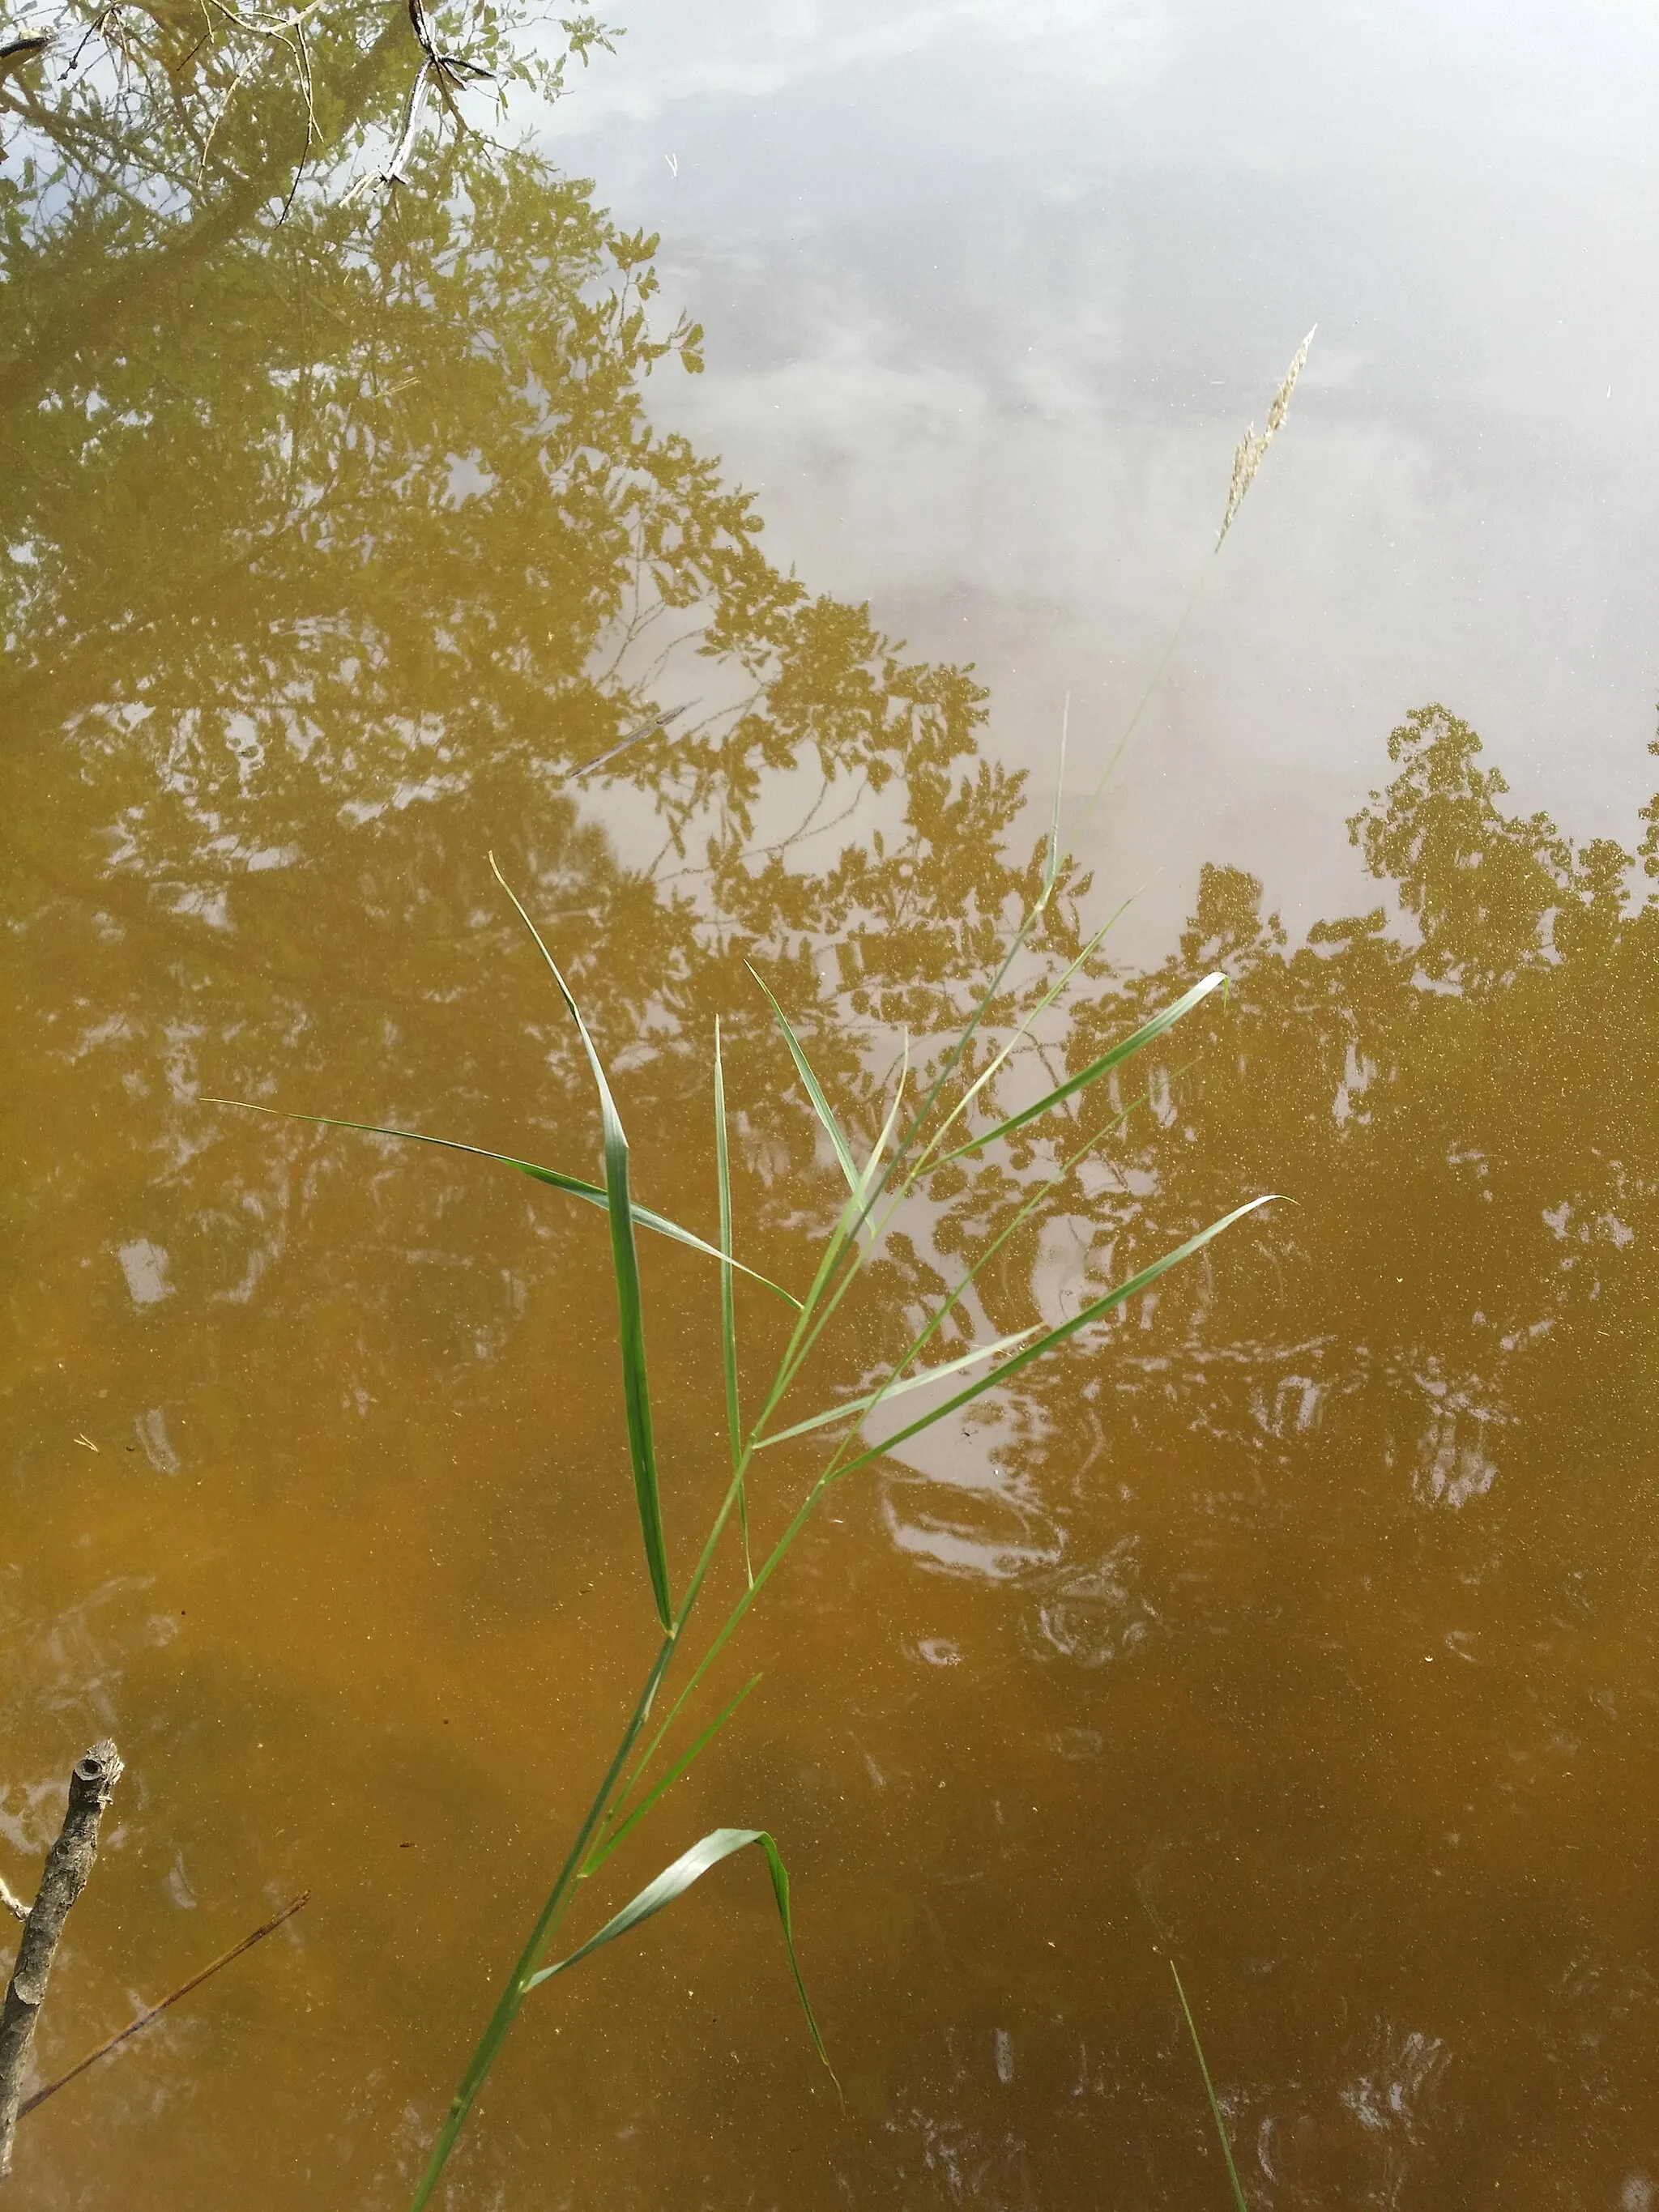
(728, 1301)
(895, 1390)
(602, 1851)
(814, 1089)
(1148, 1033)
(1047, 1342)
(625, 1265)
(590, 1193)
(1209, 2090)
(674, 1882)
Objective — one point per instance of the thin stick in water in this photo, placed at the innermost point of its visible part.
(154, 2011)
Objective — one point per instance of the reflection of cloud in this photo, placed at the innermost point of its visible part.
(1091, 1616)
(985, 335)
(152, 1429)
(982, 1522)
(699, 52)
(145, 1266)
(1453, 1465)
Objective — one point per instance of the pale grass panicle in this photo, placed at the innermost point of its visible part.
(1248, 459)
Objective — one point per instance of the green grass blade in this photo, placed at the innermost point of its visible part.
(674, 1882)
(896, 1389)
(1047, 1342)
(1209, 2091)
(602, 1851)
(537, 1946)
(953, 1059)
(590, 1193)
(1148, 1033)
(834, 1472)
(813, 1087)
(947, 1306)
(625, 1265)
(999, 1058)
(728, 1300)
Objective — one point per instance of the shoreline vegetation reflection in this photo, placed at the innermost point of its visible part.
(339, 539)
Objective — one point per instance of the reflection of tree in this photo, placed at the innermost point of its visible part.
(1463, 1113)
(335, 544)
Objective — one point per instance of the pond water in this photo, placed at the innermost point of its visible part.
(1294, 1622)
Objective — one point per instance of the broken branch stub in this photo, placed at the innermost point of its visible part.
(69, 1863)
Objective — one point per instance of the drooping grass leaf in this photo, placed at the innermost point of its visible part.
(590, 1193)
(728, 1301)
(814, 1089)
(1209, 2090)
(895, 1390)
(602, 1851)
(625, 1265)
(673, 1881)
(1148, 1033)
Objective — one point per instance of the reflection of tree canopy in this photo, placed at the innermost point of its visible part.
(1462, 1111)
(353, 534)
(334, 544)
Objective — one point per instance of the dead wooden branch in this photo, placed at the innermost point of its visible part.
(69, 1863)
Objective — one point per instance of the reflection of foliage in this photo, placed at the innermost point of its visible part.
(328, 539)
(162, 108)
(1463, 1111)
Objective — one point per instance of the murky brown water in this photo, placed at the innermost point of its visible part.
(1297, 1625)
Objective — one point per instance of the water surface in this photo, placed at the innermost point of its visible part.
(1294, 1623)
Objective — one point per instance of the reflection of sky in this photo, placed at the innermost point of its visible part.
(991, 293)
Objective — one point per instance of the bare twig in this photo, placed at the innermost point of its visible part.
(69, 1863)
(436, 68)
(154, 2011)
(633, 737)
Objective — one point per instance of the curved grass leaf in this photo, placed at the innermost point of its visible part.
(539, 1942)
(1148, 1033)
(835, 1473)
(728, 1303)
(590, 1193)
(1209, 2091)
(674, 1882)
(1047, 1342)
(813, 1087)
(895, 1390)
(625, 1265)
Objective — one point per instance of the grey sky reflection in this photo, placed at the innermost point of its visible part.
(991, 293)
